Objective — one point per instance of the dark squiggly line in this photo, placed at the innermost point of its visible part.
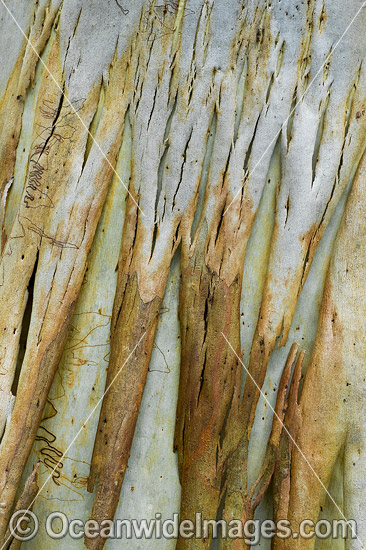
(123, 10)
(160, 11)
(51, 455)
(39, 231)
(50, 136)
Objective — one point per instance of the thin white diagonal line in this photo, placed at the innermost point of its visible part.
(76, 436)
(72, 107)
(294, 442)
(297, 104)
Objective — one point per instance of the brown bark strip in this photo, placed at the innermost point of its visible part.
(210, 298)
(282, 470)
(208, 307)
(172, 142)
(323, 169)
(135, 322)
(214, 418)
(29, 229)
(25, 502)
(22, 429)
(232, 198)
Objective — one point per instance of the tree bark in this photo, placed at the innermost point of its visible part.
(194, 102)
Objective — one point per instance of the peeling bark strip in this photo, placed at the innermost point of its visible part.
(170, 128)
(24, 503)
(282, 468)
(208, 372)
(135, 321)
(321, 148)
(166, 164)
(332, 417)
(225, 250)
(207, 433)
(38, 27)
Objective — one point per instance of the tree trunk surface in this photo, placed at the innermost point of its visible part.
(182, 233)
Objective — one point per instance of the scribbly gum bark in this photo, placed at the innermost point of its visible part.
(13, 97)
(150, 238)
(213, 267)
(150, 242)
(58, 213)
(321, 147)
(213, 93)
(23, 242)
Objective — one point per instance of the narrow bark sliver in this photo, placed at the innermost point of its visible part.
(133, 331)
